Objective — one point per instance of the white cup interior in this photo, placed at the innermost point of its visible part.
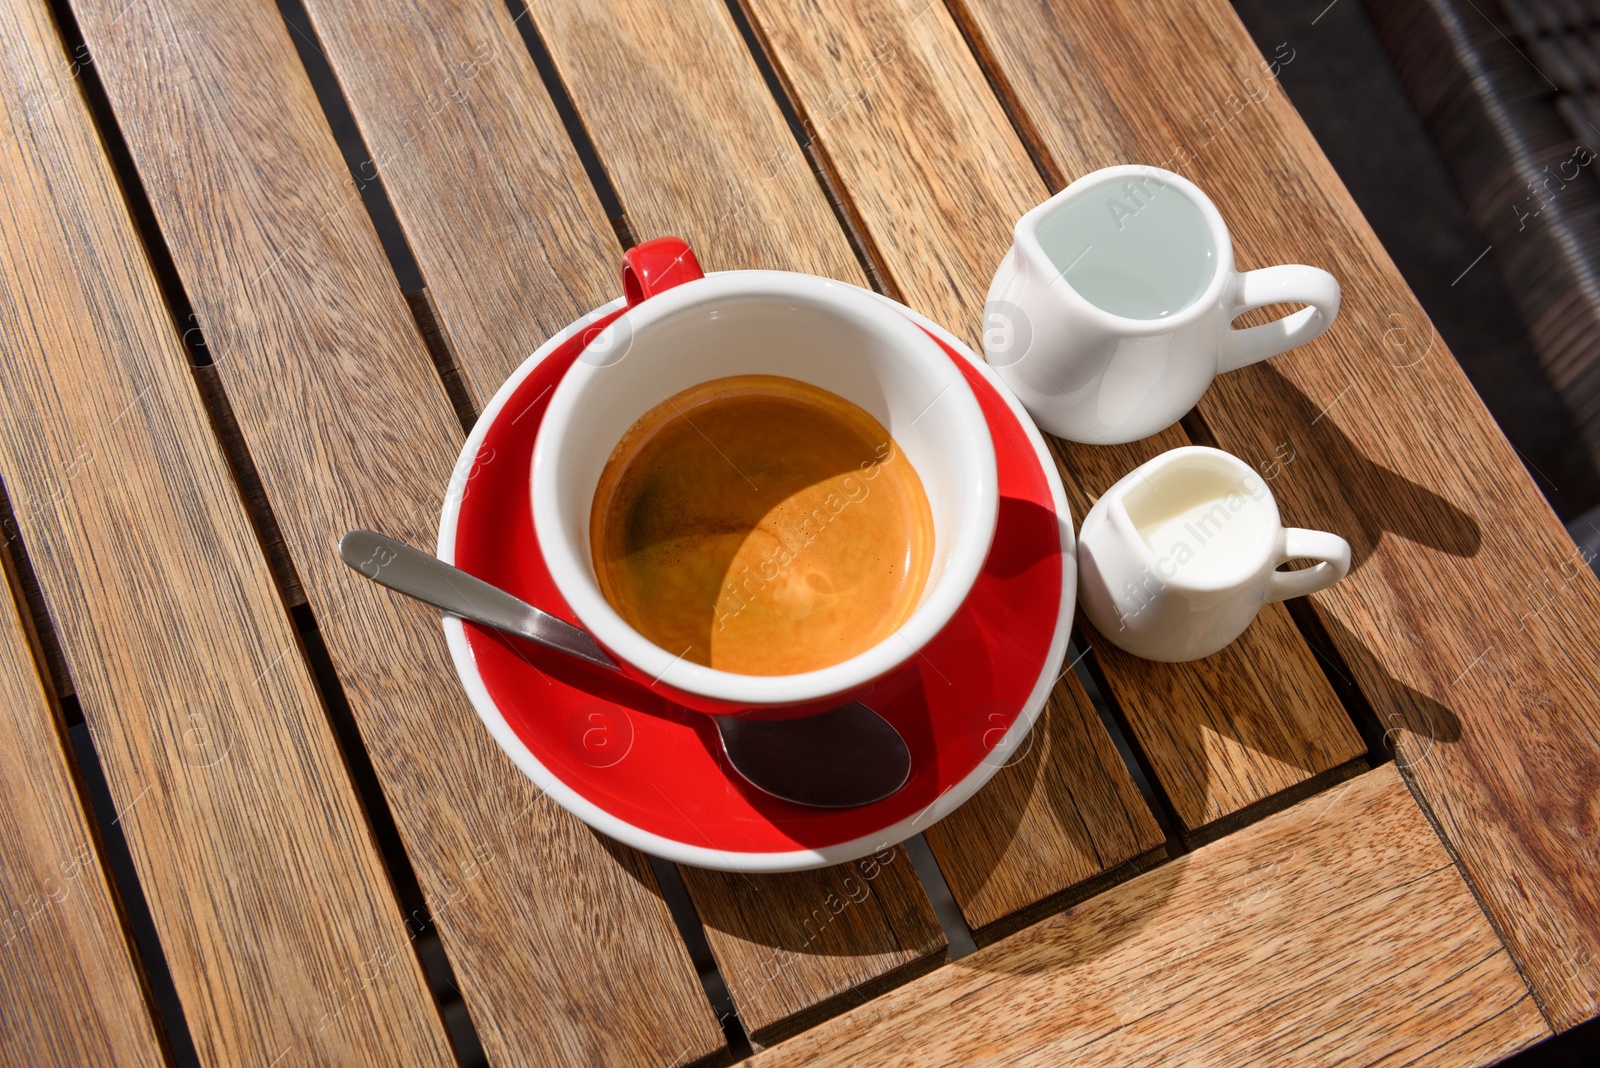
(750, 323)
(1133, 245)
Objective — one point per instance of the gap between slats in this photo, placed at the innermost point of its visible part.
(94, 797)
(380, 820)
(855, 231)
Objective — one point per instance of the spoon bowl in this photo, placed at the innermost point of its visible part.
(841, 758)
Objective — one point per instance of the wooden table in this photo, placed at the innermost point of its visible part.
(1370, 827)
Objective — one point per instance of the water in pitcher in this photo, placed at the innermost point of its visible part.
(1138, 248)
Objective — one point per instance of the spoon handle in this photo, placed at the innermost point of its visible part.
(427, 578)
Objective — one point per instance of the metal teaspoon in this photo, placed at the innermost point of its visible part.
(841, 758)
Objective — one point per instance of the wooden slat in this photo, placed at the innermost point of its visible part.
(707, 107)
(502, 155)
(690, 135)
(1469, 620)
(1335, 931)
(560, 942)
(790, 945)
(70, 989)
(931, 165)
(1062, 813)
(262, 878)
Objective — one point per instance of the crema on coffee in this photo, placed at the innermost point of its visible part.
(761, 525)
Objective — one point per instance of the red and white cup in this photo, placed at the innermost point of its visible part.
(682, 328)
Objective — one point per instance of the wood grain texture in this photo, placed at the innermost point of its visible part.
(1060, 813)
(70, 987)
(1469, 620)
(507, 230)
(691, 137)
(261, 875)
(448, 198)
(929, 163)
(561, 945)
(789, 944)
(1336, 931)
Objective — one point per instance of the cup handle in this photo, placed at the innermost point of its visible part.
(654, 266)
(1291, 283)
(1332, 550)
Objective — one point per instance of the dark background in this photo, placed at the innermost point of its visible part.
(1344, 86)
(1342, 83)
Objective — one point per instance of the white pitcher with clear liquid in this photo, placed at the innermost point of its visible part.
(1111, 313)
(1176, 559)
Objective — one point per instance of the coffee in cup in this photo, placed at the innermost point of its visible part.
(762, 525)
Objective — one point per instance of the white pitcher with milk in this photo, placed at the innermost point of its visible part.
(1176, 559)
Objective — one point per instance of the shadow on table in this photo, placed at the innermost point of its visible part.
(1336, 487)
(1411, 726)
(870, 907)
(1339, 489)
(787, 940)
(1400, 721)
(1052, 807)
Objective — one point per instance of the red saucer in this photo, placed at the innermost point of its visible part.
(651, 773)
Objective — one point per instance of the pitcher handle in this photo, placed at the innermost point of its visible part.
(1290, 283)
(1332, 550)
(653, 266)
